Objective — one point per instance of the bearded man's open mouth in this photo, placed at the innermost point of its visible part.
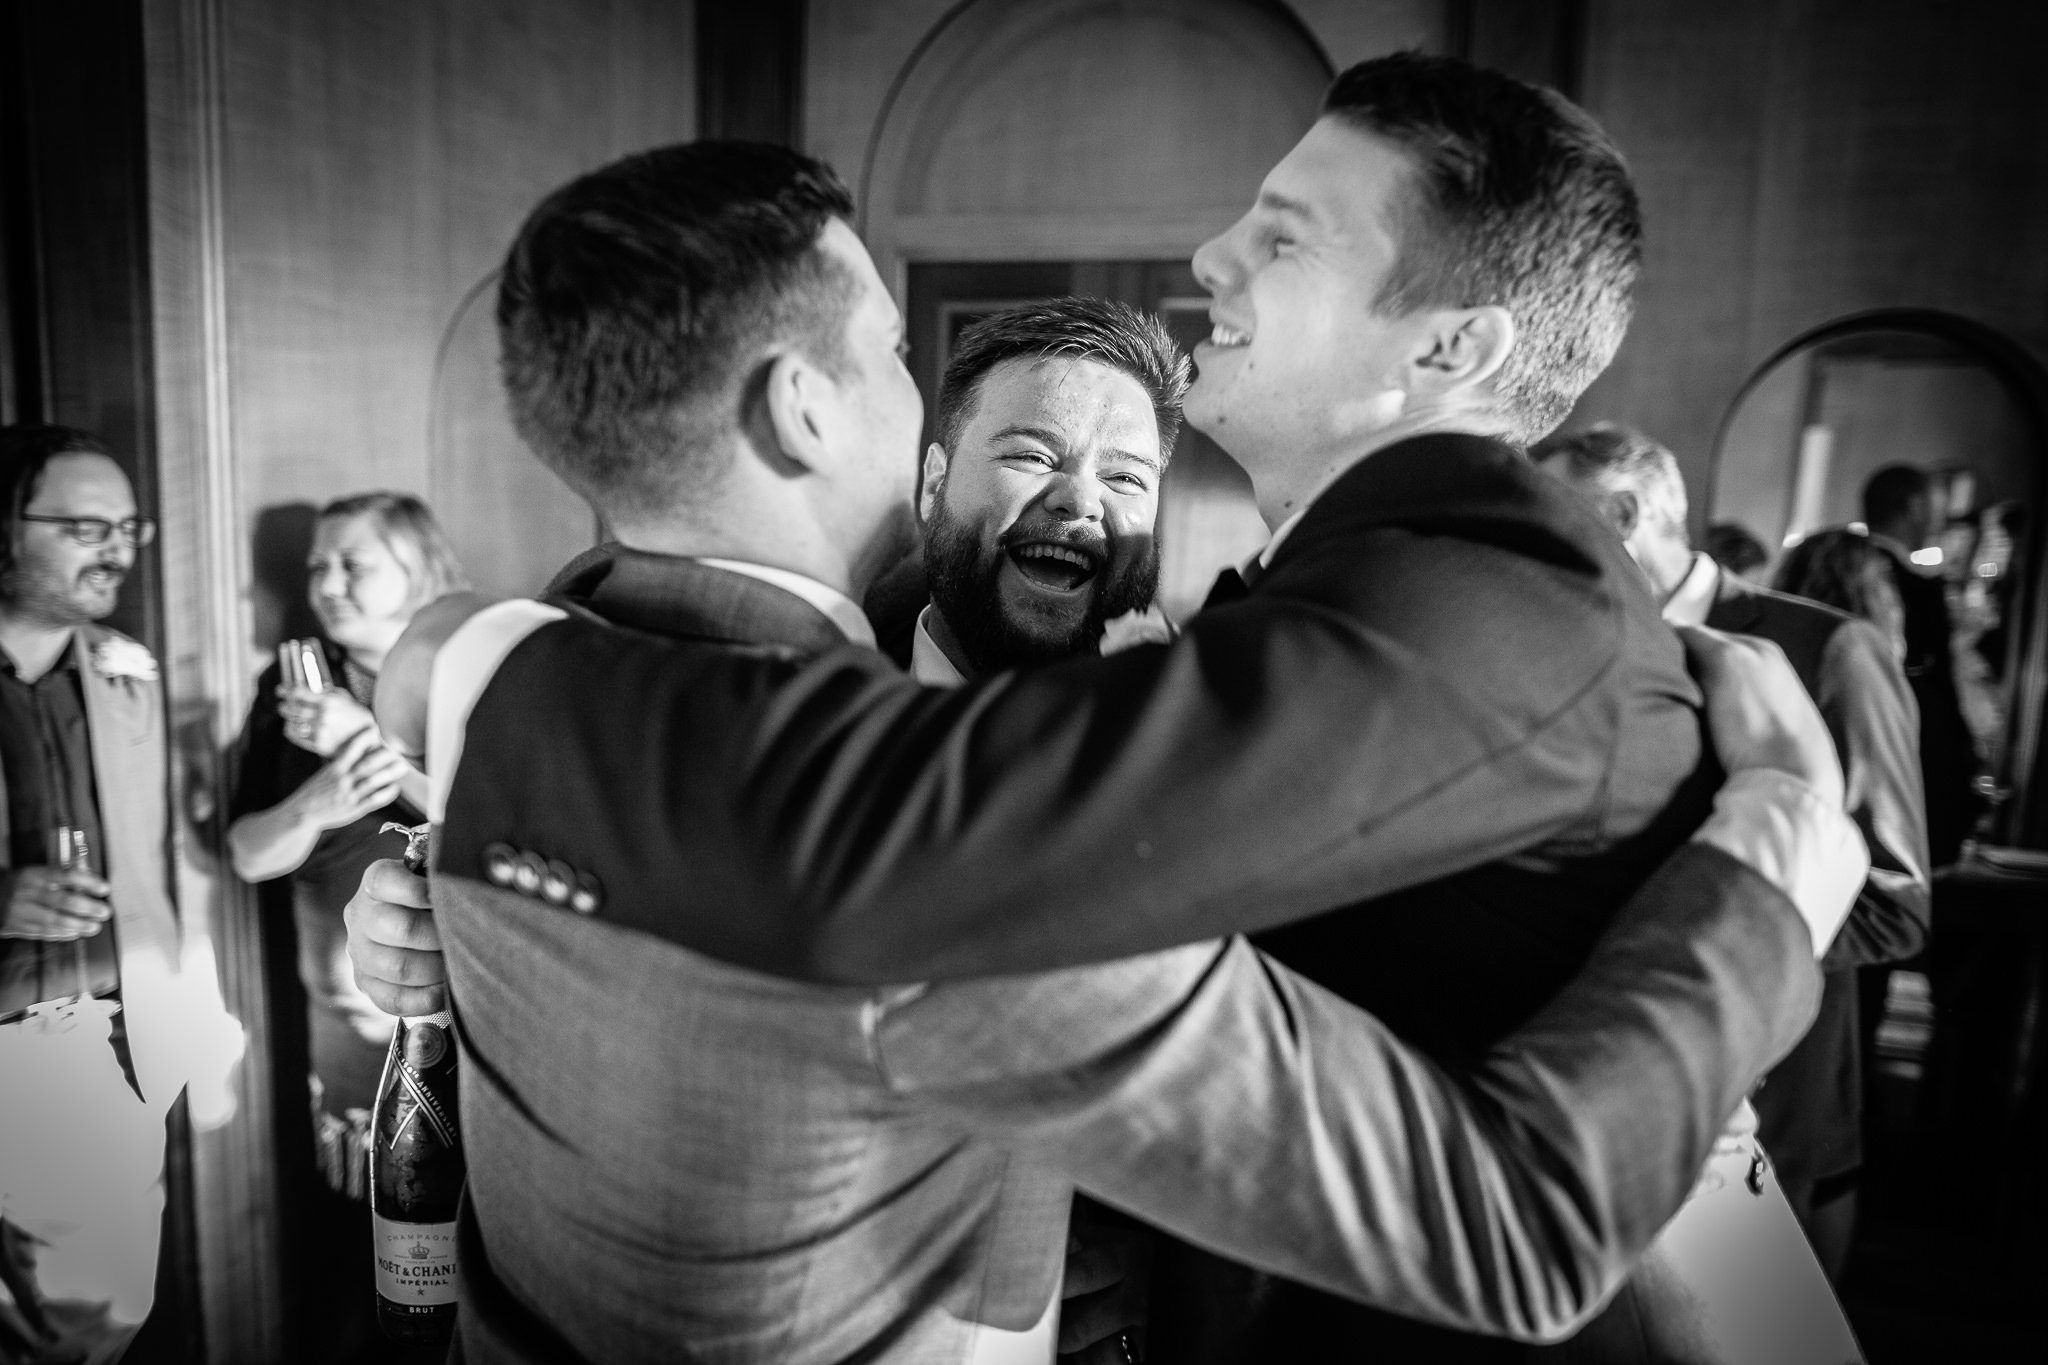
(1057, 566)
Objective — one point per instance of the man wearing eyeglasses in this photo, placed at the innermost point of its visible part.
(88, 941)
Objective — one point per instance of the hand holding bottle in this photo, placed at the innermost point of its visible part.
(393, 943)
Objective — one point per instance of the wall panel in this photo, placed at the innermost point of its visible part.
(378, 158)
(1809, 158)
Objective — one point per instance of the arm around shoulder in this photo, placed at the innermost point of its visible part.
(1217, 1094)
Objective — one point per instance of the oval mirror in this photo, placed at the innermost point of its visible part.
(1967, 408)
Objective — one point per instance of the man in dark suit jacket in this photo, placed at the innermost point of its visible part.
(1811, 1107)
(1905, 512)
(1290, 752)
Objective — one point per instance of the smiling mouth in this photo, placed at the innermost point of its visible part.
(1222, 334)
(1057, 568)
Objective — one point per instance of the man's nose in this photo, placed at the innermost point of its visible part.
(1212, 263)
(330, 581)
(1075, 497)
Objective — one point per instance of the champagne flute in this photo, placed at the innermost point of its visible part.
(303, 664)
(67, 849)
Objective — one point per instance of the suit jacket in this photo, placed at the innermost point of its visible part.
(1453, 965)
(1811, 1105)
(1948, 757)
(125, 720)
(679, 1155)
(1371, 737)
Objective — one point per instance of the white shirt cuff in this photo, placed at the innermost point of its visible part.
(1809, 850)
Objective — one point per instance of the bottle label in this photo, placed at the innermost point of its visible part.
(415, 1262)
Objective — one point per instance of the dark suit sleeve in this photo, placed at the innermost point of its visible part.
(1869, 709)
(1277, 760)
(1213, 1092)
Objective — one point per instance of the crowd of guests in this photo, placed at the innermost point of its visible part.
(1389, 954)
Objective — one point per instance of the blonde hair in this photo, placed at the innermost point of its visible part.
(407, 525)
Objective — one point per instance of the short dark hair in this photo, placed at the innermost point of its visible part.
(1731, 545)
(637, 302)
(1126, 339)
(26, 449)
(1889, 493)
(1611, 457)
(1520, 202)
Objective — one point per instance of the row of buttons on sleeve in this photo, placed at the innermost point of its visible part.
(548, 879)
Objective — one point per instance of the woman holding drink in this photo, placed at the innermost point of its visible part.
(317, 785)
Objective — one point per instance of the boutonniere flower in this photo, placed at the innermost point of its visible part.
(1147, 627)
(124, 660)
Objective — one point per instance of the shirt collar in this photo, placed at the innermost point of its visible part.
(1263, 560)
(836, 607)
(67, 662)
(1694, 596)
(928, 663)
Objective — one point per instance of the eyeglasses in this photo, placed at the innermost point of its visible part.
(137, 531)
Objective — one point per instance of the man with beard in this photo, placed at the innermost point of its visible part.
(1041, 495)
(88, 941)
(684, 747)
(1040, 502)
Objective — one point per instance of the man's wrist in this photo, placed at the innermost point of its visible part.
(1805, 846)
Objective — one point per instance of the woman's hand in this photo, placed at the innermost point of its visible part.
(363, 776)
(321, 721)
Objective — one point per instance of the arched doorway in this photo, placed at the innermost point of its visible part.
(1088, 146)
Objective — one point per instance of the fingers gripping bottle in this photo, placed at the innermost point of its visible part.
(416, 1169)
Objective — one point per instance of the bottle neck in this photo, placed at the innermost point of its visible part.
(440, 1019)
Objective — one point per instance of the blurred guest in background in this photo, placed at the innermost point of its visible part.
(1843, 569)
(1905, 511)
(1980, 589)
(1730, 545)
(1810, 1107)
(90, 1025)
(315, 788)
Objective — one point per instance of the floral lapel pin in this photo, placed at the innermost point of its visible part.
(123, 660)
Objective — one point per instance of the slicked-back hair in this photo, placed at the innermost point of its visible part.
(639, 301)
(1616, 458)
(1519, 201)
(1126, 339)
(1890, 493)
(409, 527)
(26, 449)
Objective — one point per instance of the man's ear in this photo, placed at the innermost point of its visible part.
(1622, 511)
(934, 482)
(798, 398)
(1463, 348)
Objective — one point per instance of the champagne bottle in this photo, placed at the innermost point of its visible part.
(416, 1170)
